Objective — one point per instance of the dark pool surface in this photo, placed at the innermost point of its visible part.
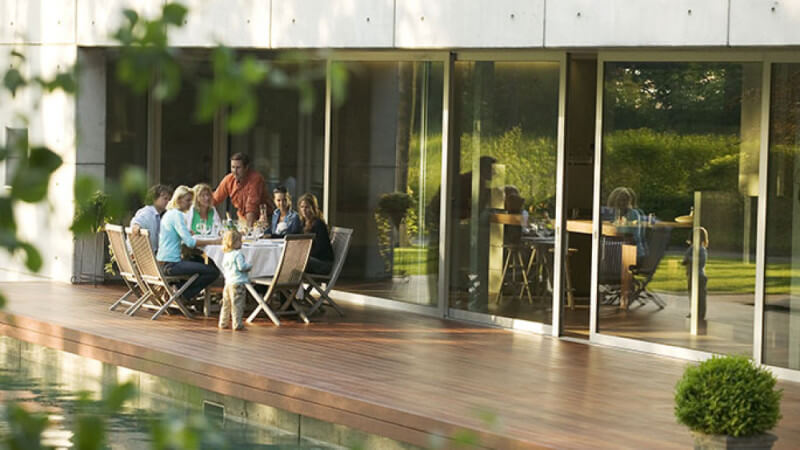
(57, 385)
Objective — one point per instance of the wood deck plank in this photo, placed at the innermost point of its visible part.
(396, 374)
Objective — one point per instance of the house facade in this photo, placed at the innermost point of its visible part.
(621, 172)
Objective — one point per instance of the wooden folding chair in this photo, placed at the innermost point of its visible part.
(160, 284)
(288, 280)
(340, 241)
(127, 269)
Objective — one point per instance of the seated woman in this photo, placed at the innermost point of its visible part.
(202, 218)
(321, 259)
(622, 208)
(284, 220)
(172, 234)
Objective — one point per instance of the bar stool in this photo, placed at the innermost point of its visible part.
(514, 262)
(567, 276)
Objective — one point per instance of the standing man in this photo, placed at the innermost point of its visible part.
(149, 216)
(245, 188)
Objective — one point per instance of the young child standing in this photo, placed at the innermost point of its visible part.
(235, 269)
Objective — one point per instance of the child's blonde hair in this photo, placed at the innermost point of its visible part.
(230, 239)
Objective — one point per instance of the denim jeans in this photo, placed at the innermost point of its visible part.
(208, 273)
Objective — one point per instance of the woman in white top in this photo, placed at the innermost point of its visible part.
(202, 219)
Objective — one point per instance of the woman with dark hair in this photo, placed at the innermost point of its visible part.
(321, 259)
(284, 220)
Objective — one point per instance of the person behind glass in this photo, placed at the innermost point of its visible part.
(175, 232)
(702, 286)
(321, 259)
(622, 204)
(202, 218)
(244, 186)
(234, 268)
(284, 220)
(149, 216)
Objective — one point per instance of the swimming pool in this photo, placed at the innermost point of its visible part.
(51, 381)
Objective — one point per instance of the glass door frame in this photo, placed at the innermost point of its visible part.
(766, 58)
(329, 196)
(553, 328)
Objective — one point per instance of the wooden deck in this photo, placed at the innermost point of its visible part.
(389, 373)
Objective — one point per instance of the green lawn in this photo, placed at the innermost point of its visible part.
(724, 276)
(416, 260)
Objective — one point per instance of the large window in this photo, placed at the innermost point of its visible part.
(782, 284)
(286, 143)
(503, 188)
(679, 189)
(386, 151)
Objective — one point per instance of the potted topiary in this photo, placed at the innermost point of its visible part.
(728, 402)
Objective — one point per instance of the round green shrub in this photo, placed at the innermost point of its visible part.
(728, 395)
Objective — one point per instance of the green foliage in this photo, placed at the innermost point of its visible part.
(24, 429)
(96, 204)
(146, 61)
(727, 395)
(530, 162)
(195, 432)
(665, 168)
(394, 205)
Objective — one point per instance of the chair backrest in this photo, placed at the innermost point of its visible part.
(145, 259)
(296, 249)
(610, 260)
(125, 265)
(657, 247)
(340, 241)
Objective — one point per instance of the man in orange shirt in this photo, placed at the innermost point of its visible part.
(245, 188)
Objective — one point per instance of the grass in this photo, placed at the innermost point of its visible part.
(724, 276)
(416, 260)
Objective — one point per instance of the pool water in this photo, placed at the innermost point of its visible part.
(53, 382)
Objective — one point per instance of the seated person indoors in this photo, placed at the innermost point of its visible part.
(149, 216)
(284, 220)
(622, 204)
(321, 259)
(174, 232)
(202, 218)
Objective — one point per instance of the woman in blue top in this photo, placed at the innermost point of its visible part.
(175, 232)
(284, 220)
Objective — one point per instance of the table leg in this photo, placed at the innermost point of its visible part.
(626, 278)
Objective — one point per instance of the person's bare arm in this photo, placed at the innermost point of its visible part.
(251, 218)
(135, 229)
(203, 242)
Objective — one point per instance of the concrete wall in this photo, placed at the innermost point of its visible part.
(420, 23)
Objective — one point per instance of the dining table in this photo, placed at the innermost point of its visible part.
(262, 254)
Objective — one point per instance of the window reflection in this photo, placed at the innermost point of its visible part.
(782, 277)
(506, 121)
(386, 172)
(677, 254)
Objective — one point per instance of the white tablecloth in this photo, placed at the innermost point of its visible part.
(263, 255)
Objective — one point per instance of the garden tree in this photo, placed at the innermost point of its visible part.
(146, 64)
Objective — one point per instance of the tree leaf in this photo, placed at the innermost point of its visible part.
(174, 14)
(32, 177)
(242, 116)
(33, 260)
(13, 80)
(118, 395)
(7, 222)
(131, 15)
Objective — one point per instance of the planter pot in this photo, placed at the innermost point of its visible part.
(704, 441)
